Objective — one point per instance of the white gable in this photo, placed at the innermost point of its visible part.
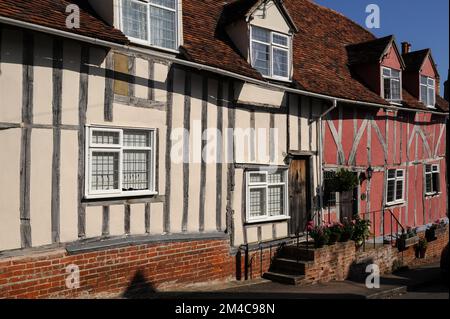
(269, 16)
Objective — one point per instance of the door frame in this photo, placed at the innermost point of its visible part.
(309, 159)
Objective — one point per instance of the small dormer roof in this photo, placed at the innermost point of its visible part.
(372, 51)
(415, 60)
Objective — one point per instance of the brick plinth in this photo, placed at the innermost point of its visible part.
(150, 266)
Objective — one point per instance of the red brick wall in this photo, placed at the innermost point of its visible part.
(158, 265)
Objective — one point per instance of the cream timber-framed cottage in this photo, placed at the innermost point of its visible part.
(169, 137)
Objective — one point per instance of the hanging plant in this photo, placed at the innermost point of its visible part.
(344, 180)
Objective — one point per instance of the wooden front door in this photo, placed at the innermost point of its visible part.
(299, 194)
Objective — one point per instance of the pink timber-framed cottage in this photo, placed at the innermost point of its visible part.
(89, 121)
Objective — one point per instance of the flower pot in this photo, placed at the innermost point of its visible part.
(420, 253)
(319, 243)
(404, 243)
(345, 237)
(430, 234)
(333, 238)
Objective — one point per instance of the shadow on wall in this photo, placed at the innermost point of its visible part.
(139, 287)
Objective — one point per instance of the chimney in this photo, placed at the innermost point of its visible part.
(406, 47)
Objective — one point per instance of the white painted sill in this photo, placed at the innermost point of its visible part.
(119, 195)
(397, 203)
(267, 220)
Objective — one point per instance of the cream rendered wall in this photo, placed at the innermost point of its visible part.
(242, 140)
(210, 194)
(10, 189)
(262, 140)
(68, 184)
(94, 221)
(11, 76)
(156, 218)
(42, 83)
(176, 191)
(41, 186)
(280, 126)
(137, 219)
(116, 220)
(71, 83)
(161, 72)
(293, 123)
(141, 86)
(237, 203)
(195, 151)
(254, 95)
(96, 95)
(270, 18)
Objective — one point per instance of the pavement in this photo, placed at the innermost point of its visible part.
(418, 283)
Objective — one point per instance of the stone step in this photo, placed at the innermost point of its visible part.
(290, 266)
(294, 252)
(294, 280)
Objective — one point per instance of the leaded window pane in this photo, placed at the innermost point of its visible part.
(135, 17)
(105, 171)
(257, 202)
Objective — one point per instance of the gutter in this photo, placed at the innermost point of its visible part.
(198, 66)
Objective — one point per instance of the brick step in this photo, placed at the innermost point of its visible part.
(290, 266)
(294, 280)
(301, 253)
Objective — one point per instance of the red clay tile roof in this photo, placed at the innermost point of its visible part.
(52, 14)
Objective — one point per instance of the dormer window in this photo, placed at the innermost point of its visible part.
(392, 84)
(270, 53)
(151, 22)
(427, 91)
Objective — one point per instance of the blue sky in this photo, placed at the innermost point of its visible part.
(423, 23)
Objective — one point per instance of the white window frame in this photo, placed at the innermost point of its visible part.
(428, 86)
(395, 179)
(272, 47)
(265, 185)
(118, 148)
(178, 23)
(434, 169)
(383, 77)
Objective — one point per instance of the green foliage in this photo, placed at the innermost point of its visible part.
(344, 180)
(361, 230)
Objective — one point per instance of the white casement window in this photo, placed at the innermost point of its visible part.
(119, 162)
(270, 53)
(395, 192)
(151, 22)
(427, 91)
(267, 195)
(432, 180)
(392, 85)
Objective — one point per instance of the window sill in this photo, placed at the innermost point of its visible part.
(431, 195)
(397, 203)
(119, 195)
(150, 46)
(396, 103)
(267, 220)
(274, 78)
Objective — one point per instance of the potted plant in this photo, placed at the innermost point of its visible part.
(335, 231)
(344, 181)
(361, 231)
(421, 248)
(320, 234)
(430, 232)
(346, 231)
(407, 239)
